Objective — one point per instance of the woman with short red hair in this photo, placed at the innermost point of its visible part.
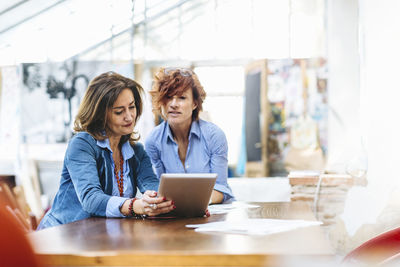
(184, 142)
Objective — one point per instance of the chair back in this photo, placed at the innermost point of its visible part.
(391, 262)
(14, 203)
(15, 247)
(377, 249)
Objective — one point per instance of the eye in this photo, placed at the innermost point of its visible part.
(118, 112)
(132, 107)
(169, 97)
(182, 97)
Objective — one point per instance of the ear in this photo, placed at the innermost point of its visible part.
(194, 106)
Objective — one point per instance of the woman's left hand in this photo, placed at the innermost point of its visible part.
(207, 213)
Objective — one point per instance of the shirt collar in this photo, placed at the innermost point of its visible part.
(169, 133)
(194, 130)
(127, 150)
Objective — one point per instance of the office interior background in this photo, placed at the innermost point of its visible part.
(328, 89)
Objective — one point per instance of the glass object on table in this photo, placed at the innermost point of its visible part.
(357, 166)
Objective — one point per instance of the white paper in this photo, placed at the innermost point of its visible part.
(225, 208)
(253, 226)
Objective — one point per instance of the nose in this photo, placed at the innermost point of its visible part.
(129, 116)
(173, 102)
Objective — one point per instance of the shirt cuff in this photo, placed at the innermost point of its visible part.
(113, 206)
(226, 191)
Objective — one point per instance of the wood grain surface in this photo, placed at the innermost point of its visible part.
(167, 242)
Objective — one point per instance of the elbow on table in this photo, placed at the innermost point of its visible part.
(95, 205)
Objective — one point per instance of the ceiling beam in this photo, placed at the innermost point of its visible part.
(129, 28)
(151, 29)
(31, 17)
(12, 7)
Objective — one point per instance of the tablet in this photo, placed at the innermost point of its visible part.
(191, 192)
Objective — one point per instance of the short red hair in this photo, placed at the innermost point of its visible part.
(174, 81)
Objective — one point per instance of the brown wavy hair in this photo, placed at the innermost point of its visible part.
(99, 98)
(174, 81)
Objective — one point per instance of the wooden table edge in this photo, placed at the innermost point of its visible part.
(170, 259)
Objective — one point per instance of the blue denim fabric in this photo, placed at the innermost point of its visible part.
(87, 180)
(207, 153)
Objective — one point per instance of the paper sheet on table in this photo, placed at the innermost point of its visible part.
(224, 208)
(253, 226)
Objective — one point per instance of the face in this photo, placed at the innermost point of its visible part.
(179, 109)
(121, 117)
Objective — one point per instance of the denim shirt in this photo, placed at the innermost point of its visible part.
(87, 182)
(207, 153)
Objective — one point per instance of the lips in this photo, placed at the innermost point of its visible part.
(128, 125)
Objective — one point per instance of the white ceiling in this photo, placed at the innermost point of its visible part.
(58, 30)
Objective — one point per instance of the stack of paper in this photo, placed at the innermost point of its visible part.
(253, 226)
(225, 208)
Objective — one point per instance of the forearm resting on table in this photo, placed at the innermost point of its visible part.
(137, 207)
(216, 197)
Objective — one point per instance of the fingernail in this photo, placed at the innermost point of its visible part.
(174, 207)
(164, 198)
(172, 202)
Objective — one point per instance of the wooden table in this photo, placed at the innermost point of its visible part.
(137, 242)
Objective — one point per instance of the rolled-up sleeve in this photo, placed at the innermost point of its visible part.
(219, 162)
(114, 205)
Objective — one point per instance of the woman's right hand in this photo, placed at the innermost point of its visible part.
(150, 204)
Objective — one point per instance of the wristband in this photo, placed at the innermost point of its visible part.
(131, 212)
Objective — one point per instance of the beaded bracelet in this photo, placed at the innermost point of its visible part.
(132, 213)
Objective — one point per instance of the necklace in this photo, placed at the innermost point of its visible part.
(120, 179)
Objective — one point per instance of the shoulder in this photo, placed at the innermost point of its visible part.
(155, 135)
(82, 143)
(139, 149)
(82, 139)
(210, 130)
(213, 137)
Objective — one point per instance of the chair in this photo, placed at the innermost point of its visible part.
(377, 250)
(392, 261)
(25, 209)
(45, 179)
(15, 205)
(15, 248)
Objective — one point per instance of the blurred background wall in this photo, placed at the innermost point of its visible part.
(329, 71)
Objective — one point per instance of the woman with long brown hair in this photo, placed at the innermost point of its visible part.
(104, 163)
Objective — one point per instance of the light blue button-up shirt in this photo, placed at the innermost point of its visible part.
(207, 153)
(116, 201)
